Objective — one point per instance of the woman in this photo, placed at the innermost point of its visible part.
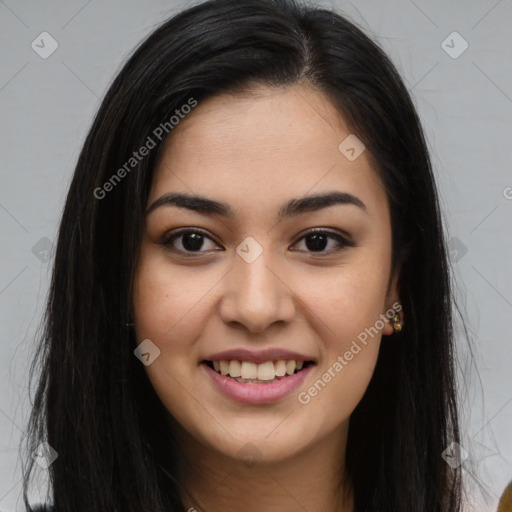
(250, 305)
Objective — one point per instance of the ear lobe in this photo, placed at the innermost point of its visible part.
(393, 319)
(388, 328)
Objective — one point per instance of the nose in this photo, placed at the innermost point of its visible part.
(257, 295)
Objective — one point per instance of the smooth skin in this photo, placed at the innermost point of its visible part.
(255, 151)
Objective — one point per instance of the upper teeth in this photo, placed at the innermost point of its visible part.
(265, 371)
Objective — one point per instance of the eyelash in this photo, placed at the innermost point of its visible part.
(168, 240)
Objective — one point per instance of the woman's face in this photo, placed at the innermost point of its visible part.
(256, 282)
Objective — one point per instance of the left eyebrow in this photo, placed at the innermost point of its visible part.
(292, 208)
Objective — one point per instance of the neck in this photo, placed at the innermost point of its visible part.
(309, 480)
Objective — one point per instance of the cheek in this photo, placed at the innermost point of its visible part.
(346, 310)
(167, 305)
(350, 330)
(348, 302)
(166, 300)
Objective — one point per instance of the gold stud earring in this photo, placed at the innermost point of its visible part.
(396, 322)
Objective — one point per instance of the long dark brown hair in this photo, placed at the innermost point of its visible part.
(94, 403)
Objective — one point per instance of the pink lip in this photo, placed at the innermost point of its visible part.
(257, 393)
(259, 357)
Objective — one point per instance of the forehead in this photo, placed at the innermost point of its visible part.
(263, 147)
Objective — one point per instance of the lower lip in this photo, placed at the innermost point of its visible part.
(257, 393)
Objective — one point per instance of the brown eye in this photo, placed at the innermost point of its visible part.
(192, 240)
(189, 241)
(317, 241)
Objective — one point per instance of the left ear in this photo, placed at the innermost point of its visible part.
(392, 299)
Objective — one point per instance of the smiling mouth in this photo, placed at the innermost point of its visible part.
(268, 372)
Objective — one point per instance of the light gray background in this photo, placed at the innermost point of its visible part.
(465, 104)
